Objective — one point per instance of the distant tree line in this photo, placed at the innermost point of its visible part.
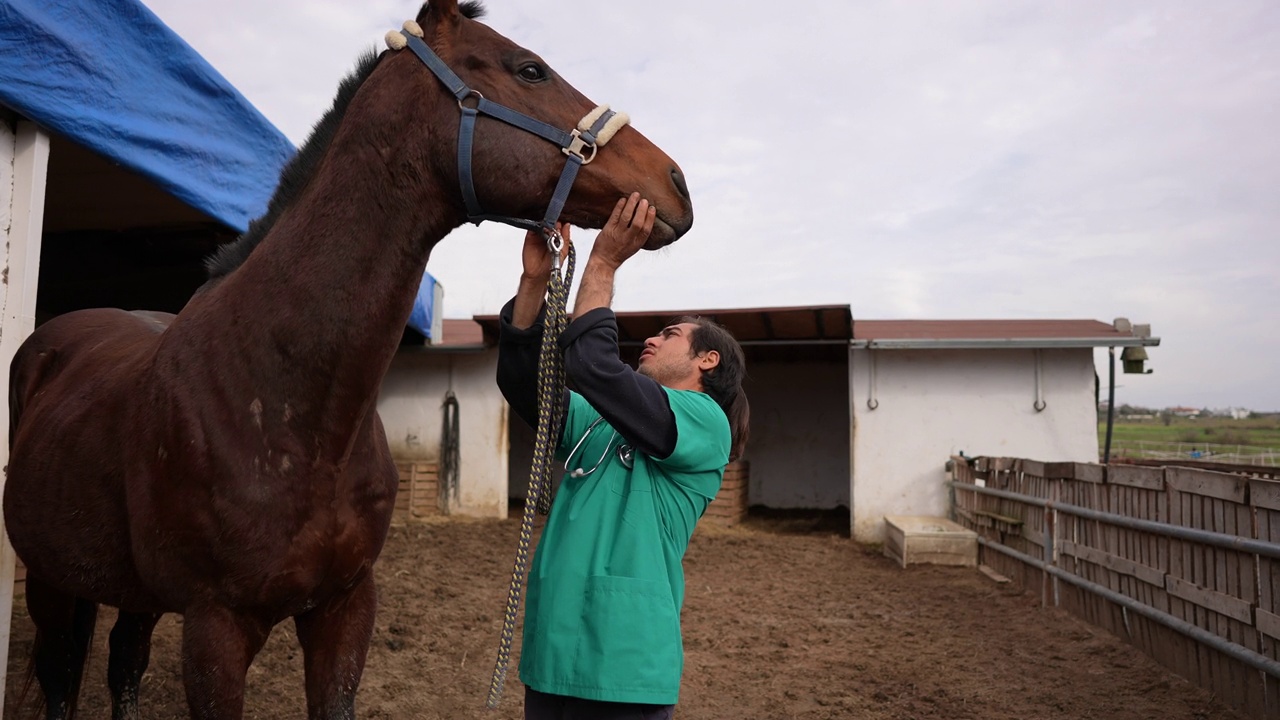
(1168, 415)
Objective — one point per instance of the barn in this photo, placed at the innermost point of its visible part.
(853, 414)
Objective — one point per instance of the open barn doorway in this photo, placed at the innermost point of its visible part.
(113, 238)
(798, 460)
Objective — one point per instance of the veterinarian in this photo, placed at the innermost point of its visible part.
(644, 452)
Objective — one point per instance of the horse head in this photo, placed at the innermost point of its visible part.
(516, 171)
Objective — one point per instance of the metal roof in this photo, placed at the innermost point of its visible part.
(972, 334)
(834, 324)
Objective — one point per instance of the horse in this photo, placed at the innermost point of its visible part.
(228, 463)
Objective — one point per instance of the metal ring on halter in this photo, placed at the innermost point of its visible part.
(470, 93)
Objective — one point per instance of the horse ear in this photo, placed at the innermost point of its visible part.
(439, 12)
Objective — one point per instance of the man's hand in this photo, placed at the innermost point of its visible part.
(535, 272)
(536, 256)
(625, 233)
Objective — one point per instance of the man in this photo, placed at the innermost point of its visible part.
(644, 452)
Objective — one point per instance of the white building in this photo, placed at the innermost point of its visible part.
(861, 415)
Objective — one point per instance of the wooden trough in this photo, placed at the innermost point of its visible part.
(915, 539)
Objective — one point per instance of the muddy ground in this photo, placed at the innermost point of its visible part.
(785, 618)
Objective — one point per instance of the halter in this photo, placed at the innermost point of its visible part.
(579, 145)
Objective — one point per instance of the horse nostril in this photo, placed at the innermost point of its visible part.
(677, 177)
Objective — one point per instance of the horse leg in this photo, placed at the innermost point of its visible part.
(335, 640)
(64, 631)
(218, 646)
(130, 654)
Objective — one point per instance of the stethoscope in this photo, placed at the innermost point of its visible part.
(626, 455)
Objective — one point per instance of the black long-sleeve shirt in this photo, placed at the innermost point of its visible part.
(634, 404)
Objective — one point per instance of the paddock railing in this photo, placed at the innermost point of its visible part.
(1182, 562)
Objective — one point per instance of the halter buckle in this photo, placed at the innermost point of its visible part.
(577, 145)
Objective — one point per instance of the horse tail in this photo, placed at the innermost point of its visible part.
(27, 373)
(84, 623)
(83, 626)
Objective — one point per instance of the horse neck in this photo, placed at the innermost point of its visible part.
(306, 328)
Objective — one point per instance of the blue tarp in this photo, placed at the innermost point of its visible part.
(424, 308)
(114, 78)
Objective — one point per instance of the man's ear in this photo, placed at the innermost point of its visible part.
(708, 360)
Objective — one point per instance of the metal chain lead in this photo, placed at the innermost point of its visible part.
(551, 408)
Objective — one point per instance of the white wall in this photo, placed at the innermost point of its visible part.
(799, 445)
(411, 406)
(932, 404)
(24, 160)
(936, 403)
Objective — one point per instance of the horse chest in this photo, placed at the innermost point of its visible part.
(276, 534)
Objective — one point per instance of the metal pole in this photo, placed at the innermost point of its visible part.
(1226, 647)
(1111, 402)
(1222, 540)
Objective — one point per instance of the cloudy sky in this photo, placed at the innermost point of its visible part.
(921, 160)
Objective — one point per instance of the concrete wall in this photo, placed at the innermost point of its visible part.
(411, 408)
(799, 446)
(932, 404)
(936, 403)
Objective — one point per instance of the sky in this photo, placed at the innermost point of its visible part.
(913, 160)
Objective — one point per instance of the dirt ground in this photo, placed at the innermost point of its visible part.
(784, 619)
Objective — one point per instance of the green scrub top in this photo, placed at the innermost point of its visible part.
(602, 619)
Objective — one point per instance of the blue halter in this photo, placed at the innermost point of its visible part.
(579, 146)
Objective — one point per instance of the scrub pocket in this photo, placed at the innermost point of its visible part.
(630, 637)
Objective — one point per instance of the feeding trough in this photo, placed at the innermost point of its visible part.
(912, 540)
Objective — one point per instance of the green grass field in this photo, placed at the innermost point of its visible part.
(1252, 440)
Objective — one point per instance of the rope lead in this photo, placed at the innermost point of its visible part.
(551, 408)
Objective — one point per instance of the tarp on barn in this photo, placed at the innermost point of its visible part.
(111, 76)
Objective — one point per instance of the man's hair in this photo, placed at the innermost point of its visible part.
(723, 382)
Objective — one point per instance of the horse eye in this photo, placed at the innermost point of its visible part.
(532, 72)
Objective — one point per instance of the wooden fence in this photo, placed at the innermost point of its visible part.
(1231, 593)
(419, 495)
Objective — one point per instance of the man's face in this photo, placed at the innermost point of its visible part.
(666, 358)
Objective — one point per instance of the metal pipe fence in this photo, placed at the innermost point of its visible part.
(1183, 562)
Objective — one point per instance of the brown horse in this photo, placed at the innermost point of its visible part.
(228, 463)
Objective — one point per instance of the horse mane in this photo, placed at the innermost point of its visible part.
(298, 171)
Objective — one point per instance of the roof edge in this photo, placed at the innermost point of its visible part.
(1002, 343)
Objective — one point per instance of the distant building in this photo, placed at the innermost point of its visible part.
(860, 414)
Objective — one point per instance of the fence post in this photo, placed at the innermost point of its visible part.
(1054, 495)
